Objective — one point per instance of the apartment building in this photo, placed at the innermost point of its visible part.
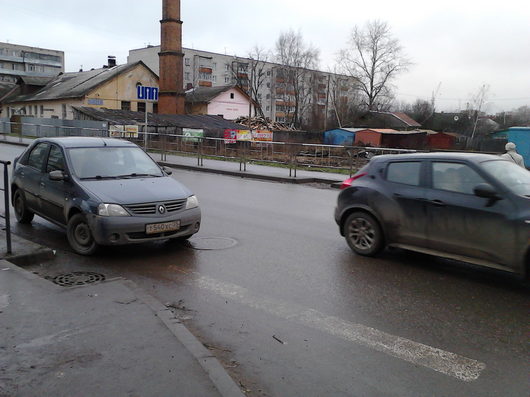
(323, 93)
(23, 61)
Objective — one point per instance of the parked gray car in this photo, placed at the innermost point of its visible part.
(103, 191)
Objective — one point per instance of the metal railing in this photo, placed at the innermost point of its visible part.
(6, 215)
(168, 141)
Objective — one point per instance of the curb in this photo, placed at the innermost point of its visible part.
(241, 174)
(41, 254)
(216, 372)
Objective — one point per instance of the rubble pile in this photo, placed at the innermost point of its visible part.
(263, 123)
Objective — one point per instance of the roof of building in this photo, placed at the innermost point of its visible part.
(390, 131)
(124, 117)
(394, 119)
(74, 84)
(34, 80)
(207, 94)
(6, 87)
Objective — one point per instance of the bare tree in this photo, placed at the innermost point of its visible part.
(478, 100)
(374, 58)
(295, 59)
(257, 74)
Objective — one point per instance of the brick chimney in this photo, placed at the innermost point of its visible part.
(171, 95)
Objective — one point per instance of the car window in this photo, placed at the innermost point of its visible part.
(37, 156)
(55, 160)
(406, 172)
(111, 162)
(455, 177)
(514, 177)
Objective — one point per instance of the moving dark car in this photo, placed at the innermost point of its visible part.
(103, 191)
(469, 207)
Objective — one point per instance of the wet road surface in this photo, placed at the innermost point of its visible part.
(273, 290)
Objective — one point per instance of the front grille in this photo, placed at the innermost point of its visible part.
(151, 208)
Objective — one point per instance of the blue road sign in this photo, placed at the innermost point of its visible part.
(147, 93)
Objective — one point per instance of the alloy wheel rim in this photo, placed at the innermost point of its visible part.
(362, 234)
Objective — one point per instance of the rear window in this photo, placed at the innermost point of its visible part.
(404, 172)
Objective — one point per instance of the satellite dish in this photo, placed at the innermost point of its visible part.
(456, 118)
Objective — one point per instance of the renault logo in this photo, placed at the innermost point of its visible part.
(161, 209)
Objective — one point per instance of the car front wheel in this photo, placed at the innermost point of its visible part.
(22, 213)
(363, 234)
(80, 236)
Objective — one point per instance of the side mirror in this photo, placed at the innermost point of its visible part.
(485, 190)
(167, 170)
(57, 175)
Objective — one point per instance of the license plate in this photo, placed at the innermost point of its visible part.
(154, 228)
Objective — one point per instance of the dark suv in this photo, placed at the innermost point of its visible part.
(469, 207)
(103, 191)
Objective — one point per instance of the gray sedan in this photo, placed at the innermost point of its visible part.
(103, 191)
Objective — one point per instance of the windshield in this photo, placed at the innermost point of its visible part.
(514, 177)
(112, 162)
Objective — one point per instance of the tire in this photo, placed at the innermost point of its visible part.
(22, 213)
(363, 234)
(80, 236)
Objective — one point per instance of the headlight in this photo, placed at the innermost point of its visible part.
(192, 202)
(111, 210)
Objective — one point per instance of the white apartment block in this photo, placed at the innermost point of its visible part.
(209, 69)
(19, 60)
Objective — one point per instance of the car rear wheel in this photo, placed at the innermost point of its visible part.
(22, 213)
(363, 234)
(80, 236)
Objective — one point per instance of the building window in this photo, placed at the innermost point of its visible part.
(231, 95)
(268, 96)
(268, 108)
(214, 65)
(227, 79)
(187, 61)
(35, 110)
(186, 75)
(227, 66)
(125, 105)
(268, 72)
(155, 107)
(141, 107)
(41, 110)
(214, 79)
(64, 110)
(268, 85)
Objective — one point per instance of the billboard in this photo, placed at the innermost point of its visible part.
(123, 131)
(192, 134)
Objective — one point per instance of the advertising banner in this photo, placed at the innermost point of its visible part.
(230, 136)
(192, 134)
(244, 135)
(116, 131)
(262, 136)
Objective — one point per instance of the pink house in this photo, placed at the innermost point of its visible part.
(228, 101)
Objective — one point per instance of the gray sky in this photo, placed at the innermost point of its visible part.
(460, 44)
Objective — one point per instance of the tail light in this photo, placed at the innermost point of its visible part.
(348, 182)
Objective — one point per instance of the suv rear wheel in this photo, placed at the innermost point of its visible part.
(363, 234)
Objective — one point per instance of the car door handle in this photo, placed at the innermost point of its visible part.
(438, 203)
(398, 195)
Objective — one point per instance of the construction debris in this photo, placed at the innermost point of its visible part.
(263, 123)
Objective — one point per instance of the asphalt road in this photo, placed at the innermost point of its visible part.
(273, 290)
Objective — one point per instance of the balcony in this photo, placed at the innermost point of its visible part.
(203, 83)
(206, 70)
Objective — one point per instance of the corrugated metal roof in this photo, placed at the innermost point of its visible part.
(406, 119)
(33, 80)
(74, 85)
(390, 131)
(206, 94)
(124, 117)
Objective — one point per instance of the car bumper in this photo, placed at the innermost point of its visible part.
(118, 230)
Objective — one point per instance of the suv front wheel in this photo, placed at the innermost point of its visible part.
(363, 234)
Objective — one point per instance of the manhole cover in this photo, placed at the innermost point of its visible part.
(211, 243)
(77, 278)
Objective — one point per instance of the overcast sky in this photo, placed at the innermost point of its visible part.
(461, 44)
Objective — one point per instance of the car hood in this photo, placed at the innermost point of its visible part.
(136, 190)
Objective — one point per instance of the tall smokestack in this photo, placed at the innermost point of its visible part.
(171, 95)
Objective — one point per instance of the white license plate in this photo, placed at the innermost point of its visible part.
(154, 228)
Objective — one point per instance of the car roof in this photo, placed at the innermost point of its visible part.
(472, 157)
(80, 141)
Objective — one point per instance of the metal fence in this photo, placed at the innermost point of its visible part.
(170, 141)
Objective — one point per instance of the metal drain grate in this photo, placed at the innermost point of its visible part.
(77, 278)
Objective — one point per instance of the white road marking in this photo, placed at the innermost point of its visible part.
(442, 361)
(4, 301)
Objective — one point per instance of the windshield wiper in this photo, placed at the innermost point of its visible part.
(136, 175)
(98, 177)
